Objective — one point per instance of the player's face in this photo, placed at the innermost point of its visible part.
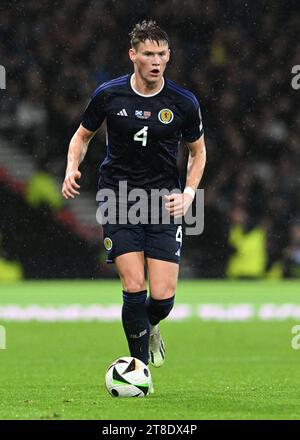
(150, 60)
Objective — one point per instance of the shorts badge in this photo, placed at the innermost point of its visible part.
(107, 243)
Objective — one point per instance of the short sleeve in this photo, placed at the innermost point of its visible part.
(95, 112)
(192, 128)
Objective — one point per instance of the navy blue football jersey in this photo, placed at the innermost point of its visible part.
(143, 132)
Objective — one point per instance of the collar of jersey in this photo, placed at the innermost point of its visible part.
(147, 96)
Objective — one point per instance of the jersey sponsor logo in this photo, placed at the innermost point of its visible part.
(122, 112)
(142, 114)
(108, 243)
(166, 116)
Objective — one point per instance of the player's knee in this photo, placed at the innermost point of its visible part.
(168, 293)
(134, 284)
(164, 292)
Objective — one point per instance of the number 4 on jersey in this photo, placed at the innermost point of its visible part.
(141, 136)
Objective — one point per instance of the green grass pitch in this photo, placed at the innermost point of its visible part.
(213, 370)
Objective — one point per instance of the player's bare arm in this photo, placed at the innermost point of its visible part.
(77, 151)
(178, 204)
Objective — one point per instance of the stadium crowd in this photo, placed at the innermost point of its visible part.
(235, 56)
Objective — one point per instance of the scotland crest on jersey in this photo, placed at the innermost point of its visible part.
(166, 116)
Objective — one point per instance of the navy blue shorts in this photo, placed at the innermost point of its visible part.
(162, 242)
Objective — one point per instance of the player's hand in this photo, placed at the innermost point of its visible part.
(70, 187)
(178, 204)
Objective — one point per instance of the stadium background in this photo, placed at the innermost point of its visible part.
(232, 344)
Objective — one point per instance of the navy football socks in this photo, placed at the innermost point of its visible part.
(136, 324)
(158, 309)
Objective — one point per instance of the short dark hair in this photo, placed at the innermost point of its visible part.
(147, 30)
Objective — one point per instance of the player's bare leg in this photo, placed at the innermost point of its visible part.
(131, 270)
(163, 276)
